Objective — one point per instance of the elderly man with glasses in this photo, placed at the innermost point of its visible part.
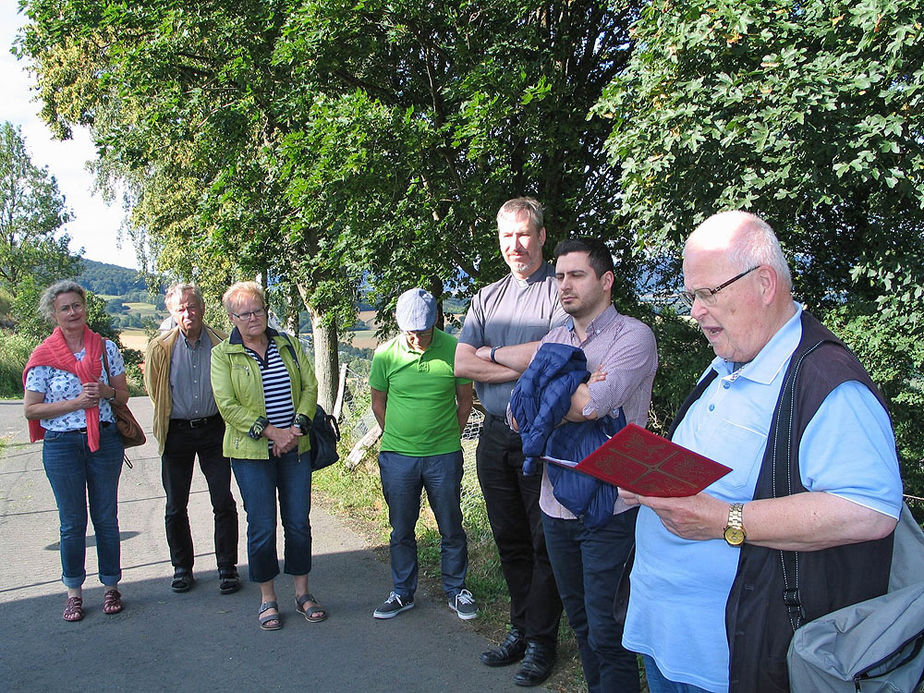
(422, 409)
(803, 523)
(187, 424)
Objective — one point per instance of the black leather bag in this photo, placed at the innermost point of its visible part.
(323, 434)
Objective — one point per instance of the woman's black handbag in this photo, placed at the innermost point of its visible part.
(323, 434)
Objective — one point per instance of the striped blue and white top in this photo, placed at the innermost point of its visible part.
(277, 388)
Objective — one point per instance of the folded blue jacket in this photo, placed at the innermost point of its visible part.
(539, 401)
(542, 397)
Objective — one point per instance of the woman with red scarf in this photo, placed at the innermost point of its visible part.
(69, 382)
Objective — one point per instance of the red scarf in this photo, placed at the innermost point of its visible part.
(54, 352)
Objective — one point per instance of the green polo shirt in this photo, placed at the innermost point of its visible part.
(420, 417)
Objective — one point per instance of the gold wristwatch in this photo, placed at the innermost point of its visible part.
(734, 529)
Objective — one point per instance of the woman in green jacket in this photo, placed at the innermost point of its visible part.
(267, 393)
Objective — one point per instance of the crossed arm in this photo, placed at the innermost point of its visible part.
(509, 362)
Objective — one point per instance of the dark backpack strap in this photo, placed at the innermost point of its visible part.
(784, 472)
(291, 347)
(692, 397)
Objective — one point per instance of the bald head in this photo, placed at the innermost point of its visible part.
(745, 239)
(734, 265)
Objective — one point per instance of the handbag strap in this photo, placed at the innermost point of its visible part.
(106, 361)
(127, 462)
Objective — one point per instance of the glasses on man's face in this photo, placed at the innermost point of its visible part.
(258, 313)
(707, 296)
(419, 333)
(188, 308)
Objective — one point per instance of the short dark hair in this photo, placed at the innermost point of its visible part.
(598, 255)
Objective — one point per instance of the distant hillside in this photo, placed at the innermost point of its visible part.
(112, 280)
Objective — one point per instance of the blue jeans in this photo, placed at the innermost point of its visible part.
(588, 564)
(259, 481)
(76, 476)
(402, 480)
(657, 683)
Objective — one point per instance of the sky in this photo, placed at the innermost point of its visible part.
(95, 225)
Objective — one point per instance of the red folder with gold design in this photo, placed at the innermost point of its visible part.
(649, 465)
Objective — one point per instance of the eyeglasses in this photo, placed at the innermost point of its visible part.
(419, 333)
(71, 308)
(707, 296)
(187, 308)
(258, 313)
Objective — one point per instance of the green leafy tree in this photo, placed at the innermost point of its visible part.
(329, 145)
(811, 115)
(32, 210)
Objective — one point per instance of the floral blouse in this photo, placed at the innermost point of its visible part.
(58, 385)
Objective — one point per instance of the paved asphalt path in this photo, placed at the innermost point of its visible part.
(203, 640)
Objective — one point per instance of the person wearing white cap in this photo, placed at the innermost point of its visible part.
(422, 408)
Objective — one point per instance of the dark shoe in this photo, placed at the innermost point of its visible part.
(229, 581)
(508, 652)
(537, 666)
(393, 606)
(464, 605)
(182, 580)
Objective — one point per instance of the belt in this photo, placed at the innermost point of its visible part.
(103, 424)
(195, 423)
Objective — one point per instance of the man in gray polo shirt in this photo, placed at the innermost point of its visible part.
(186, 424)
(501, 331)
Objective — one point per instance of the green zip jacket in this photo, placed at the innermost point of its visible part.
(238, 389)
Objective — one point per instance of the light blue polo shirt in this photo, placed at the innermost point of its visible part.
(680, 587)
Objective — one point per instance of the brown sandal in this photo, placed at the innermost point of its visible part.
(73, 609)
(112, 602)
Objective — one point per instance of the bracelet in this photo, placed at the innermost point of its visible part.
(493, 349)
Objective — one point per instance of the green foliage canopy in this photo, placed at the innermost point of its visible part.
(809, 114)
(812, 116)
(333, 141)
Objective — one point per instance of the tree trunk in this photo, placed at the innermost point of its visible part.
(326, 359)
(436, 290)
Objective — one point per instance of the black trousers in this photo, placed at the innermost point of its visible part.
(512, 502)
(183, 444)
